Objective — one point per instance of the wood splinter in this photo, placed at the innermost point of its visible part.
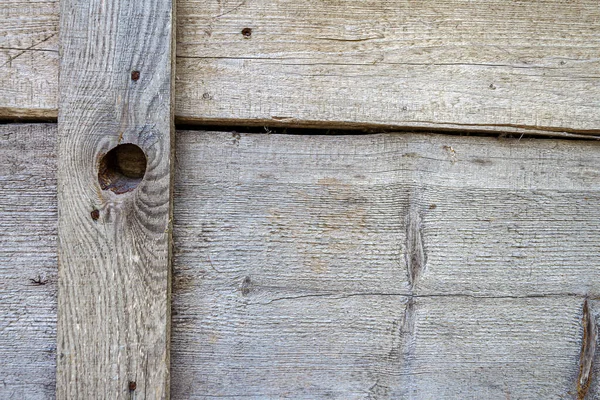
(588, 350)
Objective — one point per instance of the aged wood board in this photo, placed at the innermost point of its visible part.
(383, 266)
(376, 266)
(456, 64)
(115, 134)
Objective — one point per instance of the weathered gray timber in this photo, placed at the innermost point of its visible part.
(384, 266)
(114, 199)
(459, 64)
(528, 66)
(291, 267)
(28, 270)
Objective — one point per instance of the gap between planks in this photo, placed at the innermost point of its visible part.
(12, 116)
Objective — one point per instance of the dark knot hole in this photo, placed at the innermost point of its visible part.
(122, 168)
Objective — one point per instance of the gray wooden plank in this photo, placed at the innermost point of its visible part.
(456, 64)
(28, 273)
(114, 208)
(291, 266)
(382, 266)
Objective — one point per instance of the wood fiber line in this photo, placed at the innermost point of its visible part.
(114, 245)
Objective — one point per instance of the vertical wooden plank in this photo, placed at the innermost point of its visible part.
(114, 208)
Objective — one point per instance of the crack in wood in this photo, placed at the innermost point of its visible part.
(342, 295)
(588, 351)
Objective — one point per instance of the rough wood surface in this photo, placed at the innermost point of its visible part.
(384, 266)
(114, 236)
(28, 270)
(456, 64)
(28, 59)
(291, 268)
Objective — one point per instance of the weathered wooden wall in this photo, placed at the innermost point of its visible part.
(388, 266)
(377, 266)
(518, 66)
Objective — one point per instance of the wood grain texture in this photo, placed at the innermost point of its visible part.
(28, 272)
(383, 266)
(458, 64)
(114, 249)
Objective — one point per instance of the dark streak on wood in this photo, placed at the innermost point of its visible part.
(39, 281)
(28, 219)
(246, 286)
(415, 258)
(408, 337)
(415, 254)
(588, 350)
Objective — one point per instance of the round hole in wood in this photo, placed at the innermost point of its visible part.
(122, 169)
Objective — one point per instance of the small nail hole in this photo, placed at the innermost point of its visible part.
(95, 215)
(247, 32)
(122, 169)
(132, 386)
(135, 75)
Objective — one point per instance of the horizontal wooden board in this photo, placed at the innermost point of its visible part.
(457, 64)
(357, 347)
(377, 266)
(382, 266)
(497, 217)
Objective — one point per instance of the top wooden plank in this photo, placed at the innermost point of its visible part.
(455, 64)
(291, 266)
(385, 267)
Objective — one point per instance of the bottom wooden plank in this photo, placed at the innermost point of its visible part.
(378, 346)
(379, 266)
